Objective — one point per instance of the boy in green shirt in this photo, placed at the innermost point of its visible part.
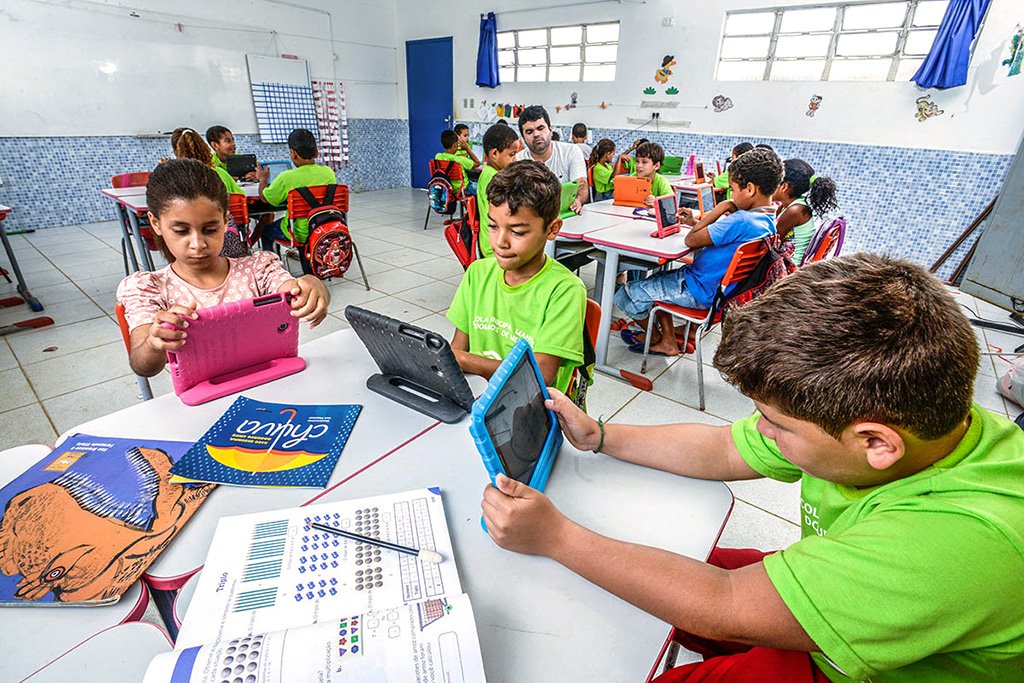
(911, 561)
(303, 151)
(450, 142)
(465, 148)
(721, 181)
(500, 149)
(649, 156)
(521, 293)
(222, 141)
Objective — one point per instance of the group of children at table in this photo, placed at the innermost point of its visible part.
(862, 372)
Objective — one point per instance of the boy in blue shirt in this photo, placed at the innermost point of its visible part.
(753, 178)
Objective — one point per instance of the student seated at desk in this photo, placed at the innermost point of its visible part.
(721, 181)
(521, 293)
(222, 141)
(465, 148)
(188, 212)
(803, 197)
(579, 138)
(754, 177)
(450, 143)
(625, 164)
(649, 157)
(500, 149)
(911, 561)
(601, 162)
(303, 151)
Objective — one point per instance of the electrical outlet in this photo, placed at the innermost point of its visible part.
(656, 115)
(668, 22)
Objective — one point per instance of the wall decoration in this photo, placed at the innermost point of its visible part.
(281, 95)
(558, 109)
(486, 112)
(927, 109)
(331, 123)
(649, 90)
(721, 103)
(813, 105)
(659, 104)
(573, 101)
(672, 91)
(1016, 52)
(604, 105)
(662, 74)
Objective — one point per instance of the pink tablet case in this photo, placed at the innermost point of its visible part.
(236, 346)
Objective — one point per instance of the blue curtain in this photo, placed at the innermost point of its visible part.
(947, 61)
(487, 54)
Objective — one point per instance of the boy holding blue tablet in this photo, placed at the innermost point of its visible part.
(911, 561)
(520, 293)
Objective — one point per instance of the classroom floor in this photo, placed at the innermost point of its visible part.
(57, 377)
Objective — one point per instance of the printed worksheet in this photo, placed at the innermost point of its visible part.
(270, 571)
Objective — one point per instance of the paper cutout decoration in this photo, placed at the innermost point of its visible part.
(604, 105)
(558, 108)
(573, 100)
(813, 105)
(649, 91)
(485, 112)
(927, 109)
(1016, 52)
(662, 74)
(721, 103)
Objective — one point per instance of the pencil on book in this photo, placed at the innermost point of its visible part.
(424, 554)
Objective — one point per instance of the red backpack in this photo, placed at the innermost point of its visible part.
(773, 265)
(463, 235)
(329, 245)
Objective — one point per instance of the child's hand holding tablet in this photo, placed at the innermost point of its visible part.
(309, 299)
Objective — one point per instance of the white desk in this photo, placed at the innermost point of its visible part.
(535, 617)
(607, 207)
(573, 229)
(337, 367)
(119, 653)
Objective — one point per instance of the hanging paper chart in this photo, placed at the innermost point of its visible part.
(332, 123)
(282, 96)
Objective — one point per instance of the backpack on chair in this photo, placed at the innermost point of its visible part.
(328, 251)
(463, 235)
(774, 265)
(443, 197)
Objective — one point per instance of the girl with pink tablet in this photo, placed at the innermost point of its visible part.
(188, 212)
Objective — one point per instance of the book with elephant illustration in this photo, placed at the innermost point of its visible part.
(83, 524)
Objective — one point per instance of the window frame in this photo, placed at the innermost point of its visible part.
(547, 47)
(899, 54)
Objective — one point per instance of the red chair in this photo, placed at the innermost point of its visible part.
(590, 180)
(136, 179)
(299, 208)
(826, 243)
(451, 170)
(126, 336)
(591, 325)
(743, 262)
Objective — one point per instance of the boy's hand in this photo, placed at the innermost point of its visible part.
(577, 205)
(649, 201)
(582, 430)
(262, 173)
(253, 176)
(521, 519)
(685, 216)
(309, 300)
(164, 339)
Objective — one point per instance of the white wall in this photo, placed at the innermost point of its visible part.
(986, 115)
(87, 67)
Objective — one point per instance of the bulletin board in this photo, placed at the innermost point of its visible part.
(281, 95)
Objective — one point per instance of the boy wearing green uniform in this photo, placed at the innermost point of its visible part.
(721, 181)
(911, 562)
(521, 293)
(649, 157)
(303, 151)
(499, 151)
(450, 142)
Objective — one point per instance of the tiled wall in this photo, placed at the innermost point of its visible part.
(56, 181)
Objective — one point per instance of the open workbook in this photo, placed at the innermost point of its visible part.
(281, 601)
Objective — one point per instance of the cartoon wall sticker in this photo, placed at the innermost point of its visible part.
(650, 91)
(1016, 52)
(721, 103)
(662, 74)
(927, 109)
(813, 105)
(672, 90)
(573, 101)
(604, 105)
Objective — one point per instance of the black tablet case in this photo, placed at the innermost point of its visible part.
(240, 164)
(412, 359)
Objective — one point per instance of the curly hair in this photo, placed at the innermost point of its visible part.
(188, 144)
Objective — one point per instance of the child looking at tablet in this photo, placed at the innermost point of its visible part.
(188, 212)
(804, 197)
(601, 161)
(520, 293)
(500, 149)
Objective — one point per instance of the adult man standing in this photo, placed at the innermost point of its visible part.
(563, 158)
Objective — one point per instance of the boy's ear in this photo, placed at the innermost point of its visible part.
(881, 445)
(553, 228)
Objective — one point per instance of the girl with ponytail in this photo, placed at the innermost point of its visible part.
(601, 161)
(805, 199)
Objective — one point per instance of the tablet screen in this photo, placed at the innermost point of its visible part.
(518, 423)
(667, 211)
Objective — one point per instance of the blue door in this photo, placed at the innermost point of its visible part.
(428, 69)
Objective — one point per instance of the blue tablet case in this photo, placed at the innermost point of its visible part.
(495, 392)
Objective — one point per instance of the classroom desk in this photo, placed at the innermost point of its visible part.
(608, 208)
(32, 302)
(118, 653)
(573, 229)
(337, 366)
(627, 239)
(538, 621)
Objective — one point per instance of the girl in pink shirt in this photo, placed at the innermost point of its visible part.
(188, 212)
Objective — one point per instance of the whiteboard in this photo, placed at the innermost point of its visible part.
(263, 69)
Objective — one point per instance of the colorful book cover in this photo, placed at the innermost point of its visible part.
(270, 445)
(83, 524)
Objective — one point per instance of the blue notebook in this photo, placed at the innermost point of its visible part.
(270, 445)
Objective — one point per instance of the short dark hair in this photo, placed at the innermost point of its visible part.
(303, 142)
(742, 148)
(499, 138)
(762, 145)
(532, 113)
(503, 122)
(652, 151)
(449, 138)
(182, 179)
(527, 183)
(861, 337)
(759, 166)
(555, 135)
(459, 127)
(215, 133)
(579, 130)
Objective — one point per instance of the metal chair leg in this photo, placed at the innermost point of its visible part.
(699, 338)
(144, 387)
(359, 260)
(427, 219)
(647, 339)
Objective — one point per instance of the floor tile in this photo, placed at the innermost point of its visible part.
(607, 396)
(400, 281)
(649, 409)
(76, 407)
(16, 391)
(24, 426)
(350, 293)
(440, 268)
(679, 383)
(777, 497)
(433, 296)
(397, 308)
(7, 359)
(29, 346)
(63, 313)
(73, 371)
(328, 325)
(751, 527)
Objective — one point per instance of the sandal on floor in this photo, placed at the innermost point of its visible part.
(639, 348)
(632, 337)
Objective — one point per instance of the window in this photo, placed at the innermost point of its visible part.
(874, 41)
(561, 53)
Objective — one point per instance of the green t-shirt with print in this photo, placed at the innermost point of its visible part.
(482, 205)
(547, 310)
(286, 181)
(919, 579)
(603, 178)
(219, 163)
(229, 182)
(465, 161)
(659, 186)
(721, 182)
